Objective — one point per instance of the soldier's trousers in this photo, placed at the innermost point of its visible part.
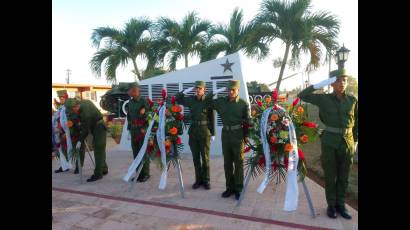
(200, 150)
(99, 141)
(136, 146)
(233, 152)
(336, 164)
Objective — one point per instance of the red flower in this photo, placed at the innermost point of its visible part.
(164, 94)
(150, 102)
(74, 139)
(274, 166)
(286, 161)
(295, 102)
(154, 129)
(180, 117)
(310, 124)
(149, 149)
(179, 141)
(259, 103)
(158, 153)
(273, 149)
(301, 155)
(275, 107)
(261, 161)
(275, 96)
(173, 100)
(247, 149)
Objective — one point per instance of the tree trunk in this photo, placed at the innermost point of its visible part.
(282, 68)
(186, 60)
(136, 70)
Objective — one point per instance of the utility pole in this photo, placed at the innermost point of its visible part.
(68, 76)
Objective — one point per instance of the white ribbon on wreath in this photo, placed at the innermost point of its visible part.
(60, 114)
(137, 161)
(161, 145)
(292, 192)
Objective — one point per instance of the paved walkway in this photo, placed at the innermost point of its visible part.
(108, 204)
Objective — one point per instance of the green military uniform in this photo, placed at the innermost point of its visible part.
(235, 118)
(200, 132)
(137, 126)
(91, 121)
(340, 118)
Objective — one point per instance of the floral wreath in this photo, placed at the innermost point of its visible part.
(277, 134)
(174, 123)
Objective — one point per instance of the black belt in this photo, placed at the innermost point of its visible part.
(199, 122)
(232, 127)
(338, 130)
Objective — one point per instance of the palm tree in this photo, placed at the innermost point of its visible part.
(298, 28)
(239, 36)
(185, 38)
(123, 45)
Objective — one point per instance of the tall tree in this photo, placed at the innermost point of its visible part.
(121, 46)
(239, 36)
(298, 28)
(185, 38)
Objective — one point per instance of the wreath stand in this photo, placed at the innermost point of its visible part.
(305, 189)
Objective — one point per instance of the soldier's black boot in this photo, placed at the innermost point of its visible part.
(343, 212)
(207, 185)
(331, 212)
(94, 178)
(227, 193)
(76, 171)
(196, 185)
(105, 173)
(143, 178)
(60, 170)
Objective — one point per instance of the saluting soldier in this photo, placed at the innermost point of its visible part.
(234, 112)
(338, 111)
(91, 121)
(200, 132)
(138, 108)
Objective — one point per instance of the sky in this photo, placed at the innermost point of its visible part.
(73, 22)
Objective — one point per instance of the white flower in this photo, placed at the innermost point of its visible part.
(285, 121)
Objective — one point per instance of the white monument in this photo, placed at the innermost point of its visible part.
(216, 74)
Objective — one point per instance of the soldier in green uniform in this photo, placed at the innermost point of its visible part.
(138, 108)
(91, 121)
(338, 111)
(200, 131)
(234, 112)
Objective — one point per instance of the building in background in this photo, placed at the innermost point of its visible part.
(82, 91)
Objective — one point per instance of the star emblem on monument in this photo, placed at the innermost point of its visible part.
(227, 65)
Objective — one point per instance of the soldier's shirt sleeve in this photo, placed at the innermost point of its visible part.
(210, 102)
(181, 99)
(246, 119)
(84, 126)
(307, 95)
(356, 118)
(211, 119)
(128, 117)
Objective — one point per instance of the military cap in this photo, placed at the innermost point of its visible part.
(132, 85)
(71, 102)
(200, 84)
(234, 84)
(338, 73)
(61, 93)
